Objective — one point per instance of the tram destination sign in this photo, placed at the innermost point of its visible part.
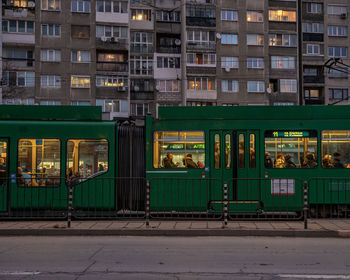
(289, 133)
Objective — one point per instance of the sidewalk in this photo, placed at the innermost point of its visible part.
(316, 228)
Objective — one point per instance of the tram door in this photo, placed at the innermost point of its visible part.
(3, 174)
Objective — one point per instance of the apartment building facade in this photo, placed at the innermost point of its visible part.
(131, 56)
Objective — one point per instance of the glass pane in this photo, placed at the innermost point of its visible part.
(39, 162)
(174, 149)
(228, 151)
(217, 151)
(3, 162)
(241, 160)
(336, 149)
(252, 152)
(86, 158)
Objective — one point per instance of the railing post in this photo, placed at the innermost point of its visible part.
(305, 204)
(70, 204)
(225, 205)
(147, 203)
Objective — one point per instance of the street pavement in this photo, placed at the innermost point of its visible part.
(315, 228)
(182, 258)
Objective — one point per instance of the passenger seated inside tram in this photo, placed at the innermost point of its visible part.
(327, 161)
(268, 161)
(310, 161)
(168, 161)
(337, 160)
(289, 163)
(188, 162)
(280, 161)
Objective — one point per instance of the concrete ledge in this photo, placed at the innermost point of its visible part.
(187, 232)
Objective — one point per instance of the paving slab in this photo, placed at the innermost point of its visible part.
(199, 225)
(167, 225)
(182, 225)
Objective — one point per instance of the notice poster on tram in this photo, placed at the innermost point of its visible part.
(282, 186)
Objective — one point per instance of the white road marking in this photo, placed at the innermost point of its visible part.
(19, 273)
(305, 276)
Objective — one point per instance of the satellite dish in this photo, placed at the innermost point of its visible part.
(104, 39)
(157, 87)
(31, 4)
(227, 69)
(177, 42)
(218, 35)
(268, 90)
(136, 88)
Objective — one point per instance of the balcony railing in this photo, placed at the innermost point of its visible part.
(169, 49)
(314, 101)
(201, 21)
(113, 67)
(314, 79)
(201, 45)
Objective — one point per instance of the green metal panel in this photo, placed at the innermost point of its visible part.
(27, 113)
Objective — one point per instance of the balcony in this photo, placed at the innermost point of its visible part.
(317, 37)
(11, 10)
(201, 21)
(112, 43)
(201, 45)
(314, 101)
(168, 49)
(141, 95)
(202, 94)
(314, 79)
(112, 66)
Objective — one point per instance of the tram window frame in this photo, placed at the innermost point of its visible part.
(58, 180)
(312, 134)
(345, 166)
(178, 167)
(98, 173)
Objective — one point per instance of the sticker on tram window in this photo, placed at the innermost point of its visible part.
(282, 186)
(290, 133)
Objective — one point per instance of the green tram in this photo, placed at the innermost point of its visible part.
(190, 157)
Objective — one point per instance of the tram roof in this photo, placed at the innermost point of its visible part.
(255, 113)
(59, 113)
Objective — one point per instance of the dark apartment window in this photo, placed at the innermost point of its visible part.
(338, 93)
(80, 31)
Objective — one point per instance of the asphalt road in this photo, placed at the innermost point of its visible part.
(85, 258)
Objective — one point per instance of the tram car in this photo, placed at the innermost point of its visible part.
(191, 159)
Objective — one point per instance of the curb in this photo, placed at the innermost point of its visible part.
(182, 233)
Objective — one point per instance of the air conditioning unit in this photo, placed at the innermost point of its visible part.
(114, 39)
(343, 16)
(104, 39)
(227, 69)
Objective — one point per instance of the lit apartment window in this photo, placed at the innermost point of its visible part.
(19, 79)
(168, 16)
(229, 15)
(229, 62)
(51, 30)
(253, 16)
(17, 3)
(201, 83)
(283, 40)
(17, 26)
(312, 93)
(141, 65)
(337, 10)
(111, 31)
(109, 6)
(50, 102)
(110, 57)
(201, 59)
(255, 40)
(50, 81)
(168, 62)
(111, 81)
(81, 6)
(282, 62)
(288, 86)
(141, 14)
(113, 106)
(312, 27)
(340, 31)
(255, 63)
(49, 55)
(81, 56)
(139, 109)
(256, 86)
(337, 51)
(141, 42)
(81, 103)
(281, 15)
(229, 39)
(80, 31)
(313, 49)
(229, 86)
(168, 85)
(80, 81)
(338, 93)
(314, 8)
(50, 5)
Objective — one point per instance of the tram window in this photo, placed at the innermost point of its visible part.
(217, 151)
(39, 162)
(336, 149)
(227, 151)
(3, 162)
(252, 151)
(241, 153)
(290, 149)
(178, 149)
(86, 158)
